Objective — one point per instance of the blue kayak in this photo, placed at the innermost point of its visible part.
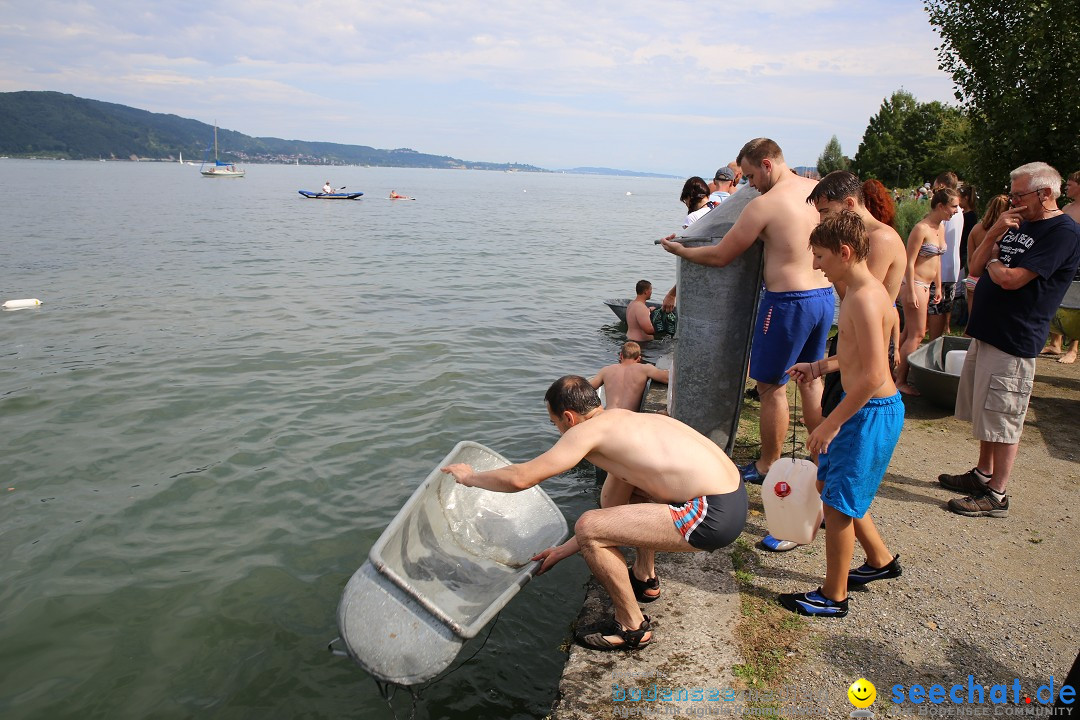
(330, 196)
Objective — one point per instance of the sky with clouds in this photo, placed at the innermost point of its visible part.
(672, 87)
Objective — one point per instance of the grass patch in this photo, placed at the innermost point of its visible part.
(744, 578)
(742, 555)
(770, 639)
(748, 438)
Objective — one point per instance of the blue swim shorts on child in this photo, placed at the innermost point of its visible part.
(859, 455)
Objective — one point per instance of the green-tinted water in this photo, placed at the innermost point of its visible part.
(230, 391)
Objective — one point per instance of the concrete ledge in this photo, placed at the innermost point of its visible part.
(694, 622)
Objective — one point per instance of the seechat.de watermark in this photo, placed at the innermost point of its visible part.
(973, 692)
(973, 699)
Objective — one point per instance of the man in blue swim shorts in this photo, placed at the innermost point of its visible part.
(797, 308)
(669, 488)
(855, 442)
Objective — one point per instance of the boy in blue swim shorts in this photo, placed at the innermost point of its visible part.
(856, 441)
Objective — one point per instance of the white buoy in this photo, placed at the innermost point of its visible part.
(19, 304)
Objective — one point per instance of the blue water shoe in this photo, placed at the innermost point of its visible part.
(778, 545)
(750, 473)
(813, 603)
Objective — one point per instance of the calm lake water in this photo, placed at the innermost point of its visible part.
(230, 391)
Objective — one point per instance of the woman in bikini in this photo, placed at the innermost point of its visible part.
(925, 246)
(997, 205)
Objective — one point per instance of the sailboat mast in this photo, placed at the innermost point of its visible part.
(215, 142)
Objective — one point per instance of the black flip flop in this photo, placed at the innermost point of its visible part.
(640, 586)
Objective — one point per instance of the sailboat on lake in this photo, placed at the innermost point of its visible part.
(220, 169)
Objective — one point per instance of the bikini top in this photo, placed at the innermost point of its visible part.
(931, 250)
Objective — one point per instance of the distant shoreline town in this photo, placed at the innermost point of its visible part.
(67, 127)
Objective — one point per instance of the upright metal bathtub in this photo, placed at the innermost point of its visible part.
(717, 308)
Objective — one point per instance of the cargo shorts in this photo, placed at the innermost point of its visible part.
(993, 393)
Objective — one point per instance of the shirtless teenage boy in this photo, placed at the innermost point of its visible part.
(841, 190)
(856, 441)
(624, 382)
(796, 311)
(638, 325)
(644, 453)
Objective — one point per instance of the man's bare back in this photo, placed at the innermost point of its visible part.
(663, 458)
(887, 260)
(888, 255)
(658, 455)
(624, 382)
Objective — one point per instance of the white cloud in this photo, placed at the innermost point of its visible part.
(554, 83)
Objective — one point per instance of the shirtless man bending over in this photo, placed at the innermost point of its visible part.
(624, 382)
(796, 310)
(638, 325)
(645, 455)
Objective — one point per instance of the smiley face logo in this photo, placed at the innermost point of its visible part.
(862, 693)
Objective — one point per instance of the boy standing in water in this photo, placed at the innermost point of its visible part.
(856, 441)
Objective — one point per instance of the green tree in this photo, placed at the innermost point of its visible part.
(832, 158)
(950, 146)
(1016, 68)
(883, 154)
(934, 133)
(908, 142)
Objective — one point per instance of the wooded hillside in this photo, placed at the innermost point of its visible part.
(57, 125)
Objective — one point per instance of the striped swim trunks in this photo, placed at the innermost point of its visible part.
(710, 522)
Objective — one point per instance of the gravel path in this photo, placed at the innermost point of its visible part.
(994, 597)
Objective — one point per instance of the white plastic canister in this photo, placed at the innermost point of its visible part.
(793, 509)
(954, 361)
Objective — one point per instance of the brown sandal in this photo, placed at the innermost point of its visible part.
(594, 636)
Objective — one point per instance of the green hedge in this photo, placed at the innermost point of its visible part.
(909, 212)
